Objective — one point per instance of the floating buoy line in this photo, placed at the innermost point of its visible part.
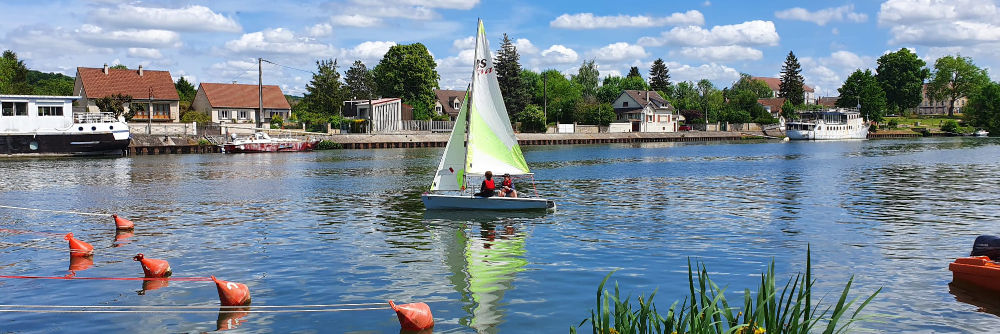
(234, 297)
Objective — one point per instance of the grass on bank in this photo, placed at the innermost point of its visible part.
(706, 309)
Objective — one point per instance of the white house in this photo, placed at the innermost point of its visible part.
(644, 111)
(238, 103)
(147, 87)
(385, 114)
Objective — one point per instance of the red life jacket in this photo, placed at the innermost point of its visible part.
(507, 183)
(490, 185)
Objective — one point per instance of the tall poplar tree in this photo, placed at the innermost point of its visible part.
(325, 94)
(508, 67)
(791, 80)
(902, 76)
(360, 82)
(588, 76)
(659, 76)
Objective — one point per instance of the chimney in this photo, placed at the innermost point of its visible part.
(105, 68)
(140, 70)
(647, 94)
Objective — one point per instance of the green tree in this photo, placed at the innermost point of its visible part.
(532, 119)
(902, 76)
(634, 72)
(360, 82)
(118, 67)
(686, 97)
(13, 75)
(408, 71)
(185, 90)
(53, 87)
(508, 68)
(983, 109)
(863, 88)
(587, 77)
(791, 80)
(659, 76)
(955, 77)
(788, 110)
(563, 96)
(189, 116)
(598, 114)
(756, 87)
(613, 86)
(324, 96)
(115, 104)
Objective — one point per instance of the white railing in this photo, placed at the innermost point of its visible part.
(94, 117)
(164, 129)
(413, 126)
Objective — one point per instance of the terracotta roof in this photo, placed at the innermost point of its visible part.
(222, 95)
(96, 84)
(445, 97)
(829, 101)
(775, 84)
(775, 103)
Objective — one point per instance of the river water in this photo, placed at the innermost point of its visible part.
(342, 227)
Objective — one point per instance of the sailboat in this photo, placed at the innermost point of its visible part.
(481, 141)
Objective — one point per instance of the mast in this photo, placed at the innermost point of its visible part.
(260, 92)
(472, 89)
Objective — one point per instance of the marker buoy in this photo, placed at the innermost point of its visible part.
(231, 293)
(122, 223)
(77, 247)
(78, 263)
(154, 268)
(413, 317)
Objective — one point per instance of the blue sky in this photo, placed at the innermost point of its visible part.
(218, 41)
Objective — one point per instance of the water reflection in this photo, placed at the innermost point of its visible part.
(231, 318)
(985, 301)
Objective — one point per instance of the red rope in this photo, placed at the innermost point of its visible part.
(188, 279)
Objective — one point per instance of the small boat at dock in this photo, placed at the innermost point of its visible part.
(261, 142)
(981, 133)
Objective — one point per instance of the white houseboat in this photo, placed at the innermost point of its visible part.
(830, 124)
(38, 124)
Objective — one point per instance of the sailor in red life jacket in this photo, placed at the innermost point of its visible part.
(488, 188)
(507, 187)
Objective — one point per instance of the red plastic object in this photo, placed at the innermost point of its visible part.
(77, 247)
(122, 223)
(977, 270)
(413, 317)
(154, 268)
(231, 293)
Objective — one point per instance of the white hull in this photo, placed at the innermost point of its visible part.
(827, 134)
(468, 202)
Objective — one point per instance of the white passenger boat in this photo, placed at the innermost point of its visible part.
(47, 125)
(831, 124)
(481, 141)
(981, 133)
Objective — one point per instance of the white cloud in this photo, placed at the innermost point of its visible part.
(144, 53)
(49, 43)
(371, 51)
(355, 20)
(826, 74)
(384, 10)
(524, 46)
(720, 53)
(277, 41)
(747, 33)
(558, 54)
(150, 38)
(190, 18)
(591, 21)
(444, 4)
(618, 52)
(464, 43)
(320, 30)
(720, 74)
(822, 16)
(941, 23)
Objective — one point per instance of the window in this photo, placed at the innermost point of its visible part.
(50, 111)
(243, 114)
(438, 109)
(15, 109)
(223, 114)
(457, 105)
(625, 104)
(161, 109)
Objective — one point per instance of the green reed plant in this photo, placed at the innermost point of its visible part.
(706, 309)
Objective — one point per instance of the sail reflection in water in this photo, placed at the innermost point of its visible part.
(483, 265)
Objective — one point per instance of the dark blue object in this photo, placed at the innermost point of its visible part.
(987, 245)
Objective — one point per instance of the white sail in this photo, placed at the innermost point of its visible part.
(492, 145)
(451, 171)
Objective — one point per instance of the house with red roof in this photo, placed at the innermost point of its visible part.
(775, 85)
(239, 103)
(153, 88)
(646, 111)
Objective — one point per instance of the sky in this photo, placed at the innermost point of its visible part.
(219, 41)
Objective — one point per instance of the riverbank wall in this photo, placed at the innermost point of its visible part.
(370, 141)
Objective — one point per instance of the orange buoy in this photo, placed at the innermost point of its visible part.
(154, 267)
(77, 247)
(122, 223)
(79, 263)
(413, 317)
(231, 293)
